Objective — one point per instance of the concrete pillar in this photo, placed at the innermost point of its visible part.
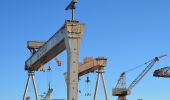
(72, 41)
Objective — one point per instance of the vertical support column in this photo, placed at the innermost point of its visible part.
(96, 88)
(100, 73)
(104, 86)
(26, 88)
(35, 89)
(72, 42)
(72, 69)
(30, 75)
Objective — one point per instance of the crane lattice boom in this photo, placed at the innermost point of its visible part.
(121, 91)
(144, 72)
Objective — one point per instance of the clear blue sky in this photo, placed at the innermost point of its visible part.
(127, 32)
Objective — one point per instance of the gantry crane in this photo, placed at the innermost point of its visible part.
(163, 72)
(68, 38)
(121, 91)
(90, 65)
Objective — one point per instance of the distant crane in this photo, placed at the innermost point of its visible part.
(121, 91)
(163, 72)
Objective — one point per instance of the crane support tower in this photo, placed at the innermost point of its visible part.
(68, 38)
(90, 65)
(121, 91)
(163, 72)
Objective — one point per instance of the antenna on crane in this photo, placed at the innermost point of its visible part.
(72, 7)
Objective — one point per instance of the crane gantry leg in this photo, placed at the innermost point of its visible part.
(96, 88)
(27, 85)
(104, 86)
(30, 75)
(35, 89)
(100, 72)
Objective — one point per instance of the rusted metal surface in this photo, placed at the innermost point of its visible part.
(35, 44)
(90, 65)
(163, 72)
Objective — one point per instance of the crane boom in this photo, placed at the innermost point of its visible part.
(121, 91)
(144, 72)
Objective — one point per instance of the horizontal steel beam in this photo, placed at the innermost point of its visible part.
(54, 46)
(89, 66)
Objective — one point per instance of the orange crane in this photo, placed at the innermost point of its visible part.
(163, 72)
(121, 91)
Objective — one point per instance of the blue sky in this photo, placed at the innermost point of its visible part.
(127, 32)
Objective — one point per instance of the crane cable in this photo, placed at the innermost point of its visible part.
(146, 63)
(123, 75)
(141, 65)
(49, 79)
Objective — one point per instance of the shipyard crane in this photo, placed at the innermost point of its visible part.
(121, 91)
(90, 65)
(163, 72)
(68, 38)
